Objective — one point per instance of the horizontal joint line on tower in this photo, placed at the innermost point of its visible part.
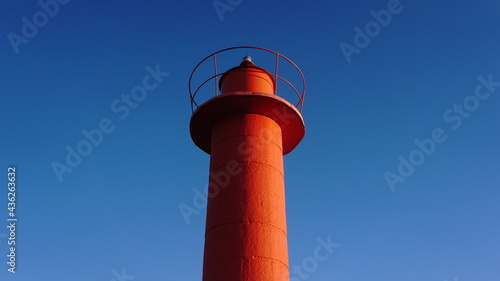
(248, 258)
(246, 222)
(247, 162)
(234, 136)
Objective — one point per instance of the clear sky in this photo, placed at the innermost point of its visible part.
(399, 168)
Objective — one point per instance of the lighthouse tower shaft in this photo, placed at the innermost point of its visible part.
(246, 130)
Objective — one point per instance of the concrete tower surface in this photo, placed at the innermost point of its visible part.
(246, 129)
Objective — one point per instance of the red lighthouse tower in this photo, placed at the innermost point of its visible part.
(246, 128)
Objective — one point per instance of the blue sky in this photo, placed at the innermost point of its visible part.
(428, 75)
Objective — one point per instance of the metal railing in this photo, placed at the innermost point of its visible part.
(216, 77)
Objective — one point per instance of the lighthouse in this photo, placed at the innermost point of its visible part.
(247, 128)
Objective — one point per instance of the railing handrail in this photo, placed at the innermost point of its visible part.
(192, 95)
